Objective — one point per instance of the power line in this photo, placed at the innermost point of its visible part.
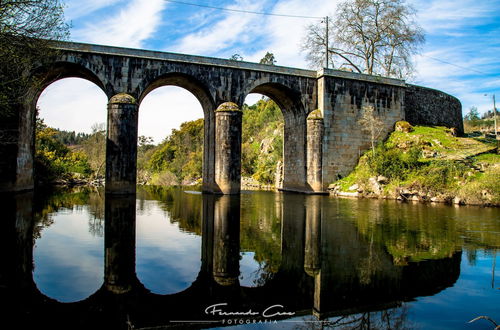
(241, 10)
(458, 66)
(298, 16)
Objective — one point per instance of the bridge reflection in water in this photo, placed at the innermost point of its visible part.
(327, 267)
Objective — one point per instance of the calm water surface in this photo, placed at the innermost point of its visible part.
(77, 259)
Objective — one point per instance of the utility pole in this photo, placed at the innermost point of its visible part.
(326, 41)
(495, 116)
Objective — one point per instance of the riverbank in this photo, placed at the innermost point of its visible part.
(427, 164)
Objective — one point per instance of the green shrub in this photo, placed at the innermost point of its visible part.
(392, 163)
(440, 175)
(53, 160)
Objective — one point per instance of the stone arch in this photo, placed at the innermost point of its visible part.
(288, 99)
(59, 70)
(294, 135)
(189, 83)
(202, 93)
(24, 126)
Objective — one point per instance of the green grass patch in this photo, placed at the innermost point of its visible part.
(488, 158)
(432, 161)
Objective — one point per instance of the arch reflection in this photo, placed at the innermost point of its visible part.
(68, 251)
(330, 267)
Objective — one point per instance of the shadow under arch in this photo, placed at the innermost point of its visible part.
(202, 94)
(294, 132)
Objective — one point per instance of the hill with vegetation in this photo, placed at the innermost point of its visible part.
(427, 164)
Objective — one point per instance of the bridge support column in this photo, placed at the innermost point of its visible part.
(315, 131)
(226, 240)
(121, 145)
(17, 127)
(228, 148)
(295, 154)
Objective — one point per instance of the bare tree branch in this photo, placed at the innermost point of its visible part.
(370, 36)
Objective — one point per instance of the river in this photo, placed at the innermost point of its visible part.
(176, 258)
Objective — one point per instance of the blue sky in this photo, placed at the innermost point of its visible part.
(461, 55)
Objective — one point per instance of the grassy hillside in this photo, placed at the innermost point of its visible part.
(427, 164)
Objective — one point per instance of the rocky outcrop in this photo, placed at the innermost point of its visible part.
(377, 188)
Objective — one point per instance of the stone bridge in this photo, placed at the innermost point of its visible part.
(319, 146)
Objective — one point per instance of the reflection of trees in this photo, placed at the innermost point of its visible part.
(80, 198)
(96, 210)
(391, 318)
(421, 232)
(180, 207)
(261, 233)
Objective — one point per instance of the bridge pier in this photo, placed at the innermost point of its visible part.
(17, 129)
(294, 154)
(121, 145)
(315, 131)
(228, 117)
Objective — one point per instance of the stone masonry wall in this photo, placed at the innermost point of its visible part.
(342, 101)
(425, 106)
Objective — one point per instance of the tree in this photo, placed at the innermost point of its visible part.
(27, 29)
(236, 57)
(371, 124)
(95, 148)
(367, 36)
(472, 115)
(54, 160)
(268, 59)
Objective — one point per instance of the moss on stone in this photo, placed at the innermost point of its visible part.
(228, 107)
(315, 115)
(122, 98)
(403, 126)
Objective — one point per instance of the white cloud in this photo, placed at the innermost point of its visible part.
(460, 53)
(73, 104)
(233, 29)
(285, 34)
(127, 27)
(167, 108)
(445, 15)
(77, 8)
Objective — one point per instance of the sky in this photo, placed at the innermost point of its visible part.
(461, 55)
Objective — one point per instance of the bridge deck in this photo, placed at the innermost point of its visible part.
(213, 61)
